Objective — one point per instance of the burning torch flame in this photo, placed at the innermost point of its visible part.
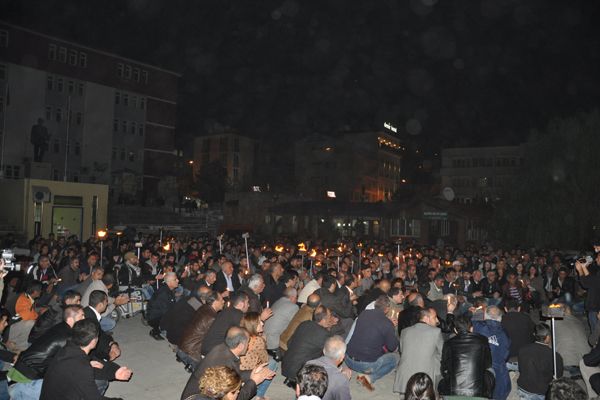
(279, 248)
(301, 247)
(313, 253)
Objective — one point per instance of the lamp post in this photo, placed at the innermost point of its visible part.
(102, 235)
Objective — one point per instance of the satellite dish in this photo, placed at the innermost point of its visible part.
(448, 193)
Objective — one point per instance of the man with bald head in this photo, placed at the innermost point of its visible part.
(334, 353)
(305, 313)
(228, 354)
(227, 279)
(161, 302)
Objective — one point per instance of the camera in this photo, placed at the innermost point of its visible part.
(8, 257)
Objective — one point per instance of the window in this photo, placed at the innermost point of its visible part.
(77, 148)
(82, 60)
(141, 129)
(71, 87)
(52, 52)
(80, 88)
(73, 57)
(236, 160)
(125, 99)
(136, 74)
(16, 171)
(3, 38)
(236, 144)
(117, 97)
(223, 144)
(114, 153)
(48, 113)
(50, 82)
(58, 114)
(120, 69)
(124, 126)
(145, 76)
(56, 146)
(122, 154)
(142, 102)
(8, 171)
(132, 128)
(60, 85)
(134, 101)
(131, 156)
(62, 54)
(79, 118)
(128, 72)
(115, 125)
(405, 227)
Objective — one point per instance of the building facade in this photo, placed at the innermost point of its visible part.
(111, 120)
(363, 166)
(236, 153)
(480, 174)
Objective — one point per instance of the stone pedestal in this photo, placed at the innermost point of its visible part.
(38, 170)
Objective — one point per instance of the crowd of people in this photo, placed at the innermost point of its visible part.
(444, 321)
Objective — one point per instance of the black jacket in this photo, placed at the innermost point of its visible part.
(465, 359)
(53, 316)
(338, 302)
(592, 284)
(221, 356)
(105, 340)
(536, 367)
(162, 300)
(216, 334)
(488, 289)
(221, 283)
(70, 377)
(34, 361)
(254, 300)
(176, 319)
(519, 327)
(305, 344)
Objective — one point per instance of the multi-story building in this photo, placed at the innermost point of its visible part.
(111, 120)
(362, 166)
(236, 153)
(480, 174)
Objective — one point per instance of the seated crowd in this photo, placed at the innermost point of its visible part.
(445, 322)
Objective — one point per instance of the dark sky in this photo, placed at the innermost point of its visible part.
(453, 72)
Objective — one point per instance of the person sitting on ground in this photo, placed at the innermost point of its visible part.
(421, 350)
(466, 363)
(305, 313)
(536, 365)
(178, 317)
(256, 354)
(254, 289)
(218, 383)
(25, 308)
(230, 316)
(30, 368)
(334, 352)
(228, 354)
(195, 331)
(410, 315)
(307, 342)
(54, 315)
(420, 387)
(107, 323)
(70, 374)
(519, 327)
(372, 348)
(313, 381)
(284, 310)
(161, 301)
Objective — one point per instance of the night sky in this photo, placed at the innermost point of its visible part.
(449, 72)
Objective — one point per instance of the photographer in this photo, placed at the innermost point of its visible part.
(590, 282)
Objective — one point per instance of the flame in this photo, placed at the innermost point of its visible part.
(313, 253)
(554, 306)
(167, 247)
(102, 233)
(380, 254)
(301, 246)
(340, 249)
(279, 248)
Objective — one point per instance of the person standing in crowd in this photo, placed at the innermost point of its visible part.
(591, 282)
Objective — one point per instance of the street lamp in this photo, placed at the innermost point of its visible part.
(101, 235)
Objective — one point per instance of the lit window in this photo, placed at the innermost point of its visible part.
(62, 54)
(52, 52)
(83, 60)
(73, 57)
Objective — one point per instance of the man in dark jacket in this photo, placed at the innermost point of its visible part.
(53, 316)
(230, 316)
(338, 301)
(31, 366)
(519, 327)
(70, 376)
(590, 282)
(307, 342)
(228, 354)
(160, 303)
(466, 363)
(195, 331)
(175, 320)
(227, 279)
(536, 365)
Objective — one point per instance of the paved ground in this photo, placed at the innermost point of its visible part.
(157, 376)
